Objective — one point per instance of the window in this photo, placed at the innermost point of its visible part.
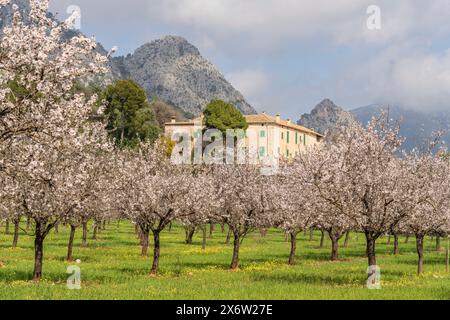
(287, 136)
(262, 151)
(304, 139)
(282, 136)
(287, 152)
(262, 133)
(296, 138)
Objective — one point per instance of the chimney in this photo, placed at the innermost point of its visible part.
(278, 118)
(289, 121)
(173, 120)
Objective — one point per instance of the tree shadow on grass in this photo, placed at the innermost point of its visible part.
(325, 280)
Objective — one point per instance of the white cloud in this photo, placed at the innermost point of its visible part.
(268, 22)
(405, 66)
(406, 77)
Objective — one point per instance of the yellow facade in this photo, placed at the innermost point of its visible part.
(270, 135)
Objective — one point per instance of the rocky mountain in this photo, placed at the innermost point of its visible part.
(324, 116)
(416, 127)
(171, 69)
(174, 70)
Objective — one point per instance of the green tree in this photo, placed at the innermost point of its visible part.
(222, 116)
(129, 114)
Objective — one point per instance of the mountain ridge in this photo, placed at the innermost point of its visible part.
(174, 70)
(415, 126)
(170, 68)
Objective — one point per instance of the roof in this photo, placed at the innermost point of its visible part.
(262, 118)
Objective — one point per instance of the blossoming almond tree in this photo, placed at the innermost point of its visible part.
(94, 194)
(47, 142)
(431, 215)
(294, 203)
(328, 196)
(369, 173)
(153, 193)
(244, 201)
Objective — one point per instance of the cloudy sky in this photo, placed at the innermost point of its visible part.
(285, 56)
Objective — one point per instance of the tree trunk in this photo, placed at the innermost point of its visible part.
(236, 246)
(204, 237)
(222, 227)
(447, 256)
(396, 247)
(28, 224)
(371, 254)
(407, 239)
(85, 235)
(347, 239)
(94, 233)
(322, 239)
(419, 245)
(156, 249)
(16, 232)
(211, 230)
(144, 234)
(389, 240)
(70, 245)
(438, 244)
(311, 234)
(190, 231)
(228, 236)
(263, 232)
(38, 251)
(293, 248)
(334, 248)
(7, 227)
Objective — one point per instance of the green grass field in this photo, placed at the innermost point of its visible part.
(111, 268)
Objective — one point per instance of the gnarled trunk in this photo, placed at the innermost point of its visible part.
(156, 248)
(16, 232)
(322, 238)
(28, 224)
(236, 246)
(7, 227)
(419, 246)
(311, 234)
(38, 250)
(211, 230)
(347, 239)
(438, 244)
(334, 248)
(190, 231)
(94, 233)
(227, 241)
(292, 255)
(70, 244)
(396, 247)
(204, 237)
(407, 239)
(370, 250)
(145, 233)
(84, 243)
